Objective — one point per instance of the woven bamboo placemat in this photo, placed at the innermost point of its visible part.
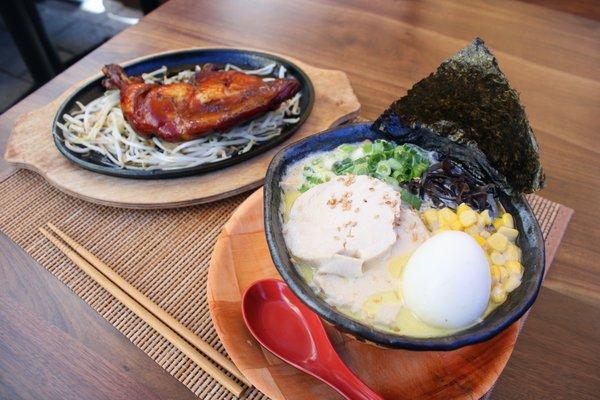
(163, 253)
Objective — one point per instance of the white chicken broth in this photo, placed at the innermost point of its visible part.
(358, 236)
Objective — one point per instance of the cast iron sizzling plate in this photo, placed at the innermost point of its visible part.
(519, 301)
(175, 62)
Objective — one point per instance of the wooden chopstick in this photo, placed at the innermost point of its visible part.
(146, 316)
(151, 306)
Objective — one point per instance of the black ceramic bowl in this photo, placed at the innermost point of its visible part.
(530, 241)
(178, 61)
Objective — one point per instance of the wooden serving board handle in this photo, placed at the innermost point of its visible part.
(31, 146)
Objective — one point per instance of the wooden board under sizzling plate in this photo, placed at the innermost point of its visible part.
(241, 257)
(31, 146)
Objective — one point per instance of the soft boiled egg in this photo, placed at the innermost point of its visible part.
(446, 282)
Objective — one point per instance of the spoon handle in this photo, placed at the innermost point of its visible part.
(350, 386)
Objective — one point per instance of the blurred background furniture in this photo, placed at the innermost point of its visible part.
(41, 38)
(23, 21)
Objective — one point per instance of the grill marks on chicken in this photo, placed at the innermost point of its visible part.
(213, 101)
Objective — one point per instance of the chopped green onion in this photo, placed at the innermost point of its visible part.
(381, 159)
(400, 152)
(386, 179)
(378, 147)
(411, 199)
(383, 169)
(347, 148)
(304, 187)
(361, 169)
(394, 164)
(343, 167)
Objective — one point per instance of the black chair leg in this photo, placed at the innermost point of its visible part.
(148, 5)
(24, 23)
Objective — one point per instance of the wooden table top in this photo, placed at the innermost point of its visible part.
(52, 345)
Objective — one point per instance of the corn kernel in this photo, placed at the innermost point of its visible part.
(512, 253)
(441, 229)
(484, 217)
(456, 226)
(511, 283)
(495, 273)
(479, 239)
(497, 258)
(498, 294)
(498, 223)
(485, 234)
(514, 268)
(503, 273)
(462, 207)
(510, 233)
(508, 220)
(467, 217)
(472, 230)
(431, 218)
(447, 215)
(497, 242)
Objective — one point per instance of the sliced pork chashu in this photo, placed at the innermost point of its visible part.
(352, 216)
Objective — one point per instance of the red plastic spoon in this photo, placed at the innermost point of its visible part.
(291, 331)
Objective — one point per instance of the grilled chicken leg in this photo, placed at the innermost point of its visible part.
(213, 101)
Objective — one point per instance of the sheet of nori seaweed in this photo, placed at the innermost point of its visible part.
(470, 101)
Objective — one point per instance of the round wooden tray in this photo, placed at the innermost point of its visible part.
(241, 257)
(31, 146)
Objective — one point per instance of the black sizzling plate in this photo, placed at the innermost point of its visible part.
(175, 62)
(519, 301)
